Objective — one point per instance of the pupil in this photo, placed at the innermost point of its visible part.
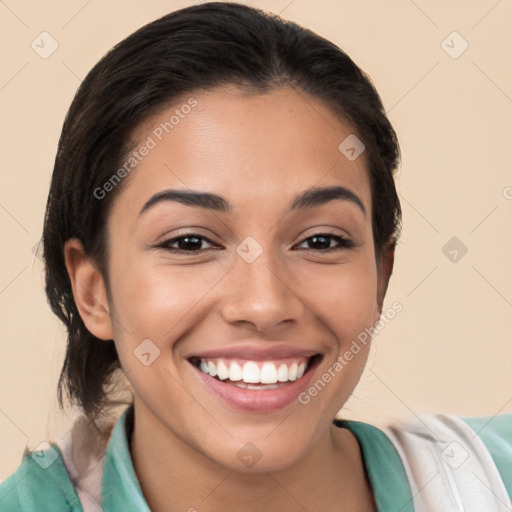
(324, 245)
(184, 243)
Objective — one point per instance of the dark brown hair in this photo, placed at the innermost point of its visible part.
(196, 48)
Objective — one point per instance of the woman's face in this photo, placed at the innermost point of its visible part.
(214, 284)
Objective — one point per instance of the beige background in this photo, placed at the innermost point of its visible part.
(450, 348)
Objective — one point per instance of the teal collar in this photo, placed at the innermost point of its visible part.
(383, 467)
(121, 489)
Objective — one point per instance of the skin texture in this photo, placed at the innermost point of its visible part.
(258, 152)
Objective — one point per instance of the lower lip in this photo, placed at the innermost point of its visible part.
(263, 400)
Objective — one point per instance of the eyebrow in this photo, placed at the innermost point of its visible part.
(308, 199)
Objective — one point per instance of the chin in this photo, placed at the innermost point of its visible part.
(259, 456)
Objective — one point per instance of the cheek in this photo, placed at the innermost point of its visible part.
(158, 301)
(152, 307)
(343, 297)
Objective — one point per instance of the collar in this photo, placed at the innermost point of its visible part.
(120, 488)
(383, 466)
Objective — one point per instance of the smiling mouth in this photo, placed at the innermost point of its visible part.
(255, 374)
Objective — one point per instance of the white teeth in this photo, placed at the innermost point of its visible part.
(251, 373)
(212, 369)
(268, 374)
(222, 371)
(235, 372)
(292, 371)
(282, 373)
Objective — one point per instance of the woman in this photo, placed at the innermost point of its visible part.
(220, 228)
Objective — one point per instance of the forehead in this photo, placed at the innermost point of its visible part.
(246, 147)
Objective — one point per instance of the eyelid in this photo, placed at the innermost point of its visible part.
(168, 241)
(326, 230)
(344, 242)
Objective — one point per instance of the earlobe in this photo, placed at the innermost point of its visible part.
(89, 290)
(384, 271)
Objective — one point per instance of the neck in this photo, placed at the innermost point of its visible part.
(176, 477)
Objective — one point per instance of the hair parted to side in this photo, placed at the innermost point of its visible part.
(196, 48)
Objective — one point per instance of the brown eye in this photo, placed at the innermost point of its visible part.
(188, 243)
(322, 242)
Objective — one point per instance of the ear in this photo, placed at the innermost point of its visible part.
(384, 271)
(89, 290)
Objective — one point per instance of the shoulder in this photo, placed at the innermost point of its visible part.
(40, 483)
(496, 434)
(454, 461)
(63, 476)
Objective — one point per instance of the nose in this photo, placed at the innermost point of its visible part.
(261, 295)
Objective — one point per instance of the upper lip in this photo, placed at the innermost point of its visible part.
(255, 352)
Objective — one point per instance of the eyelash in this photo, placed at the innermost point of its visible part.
(343, 243)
